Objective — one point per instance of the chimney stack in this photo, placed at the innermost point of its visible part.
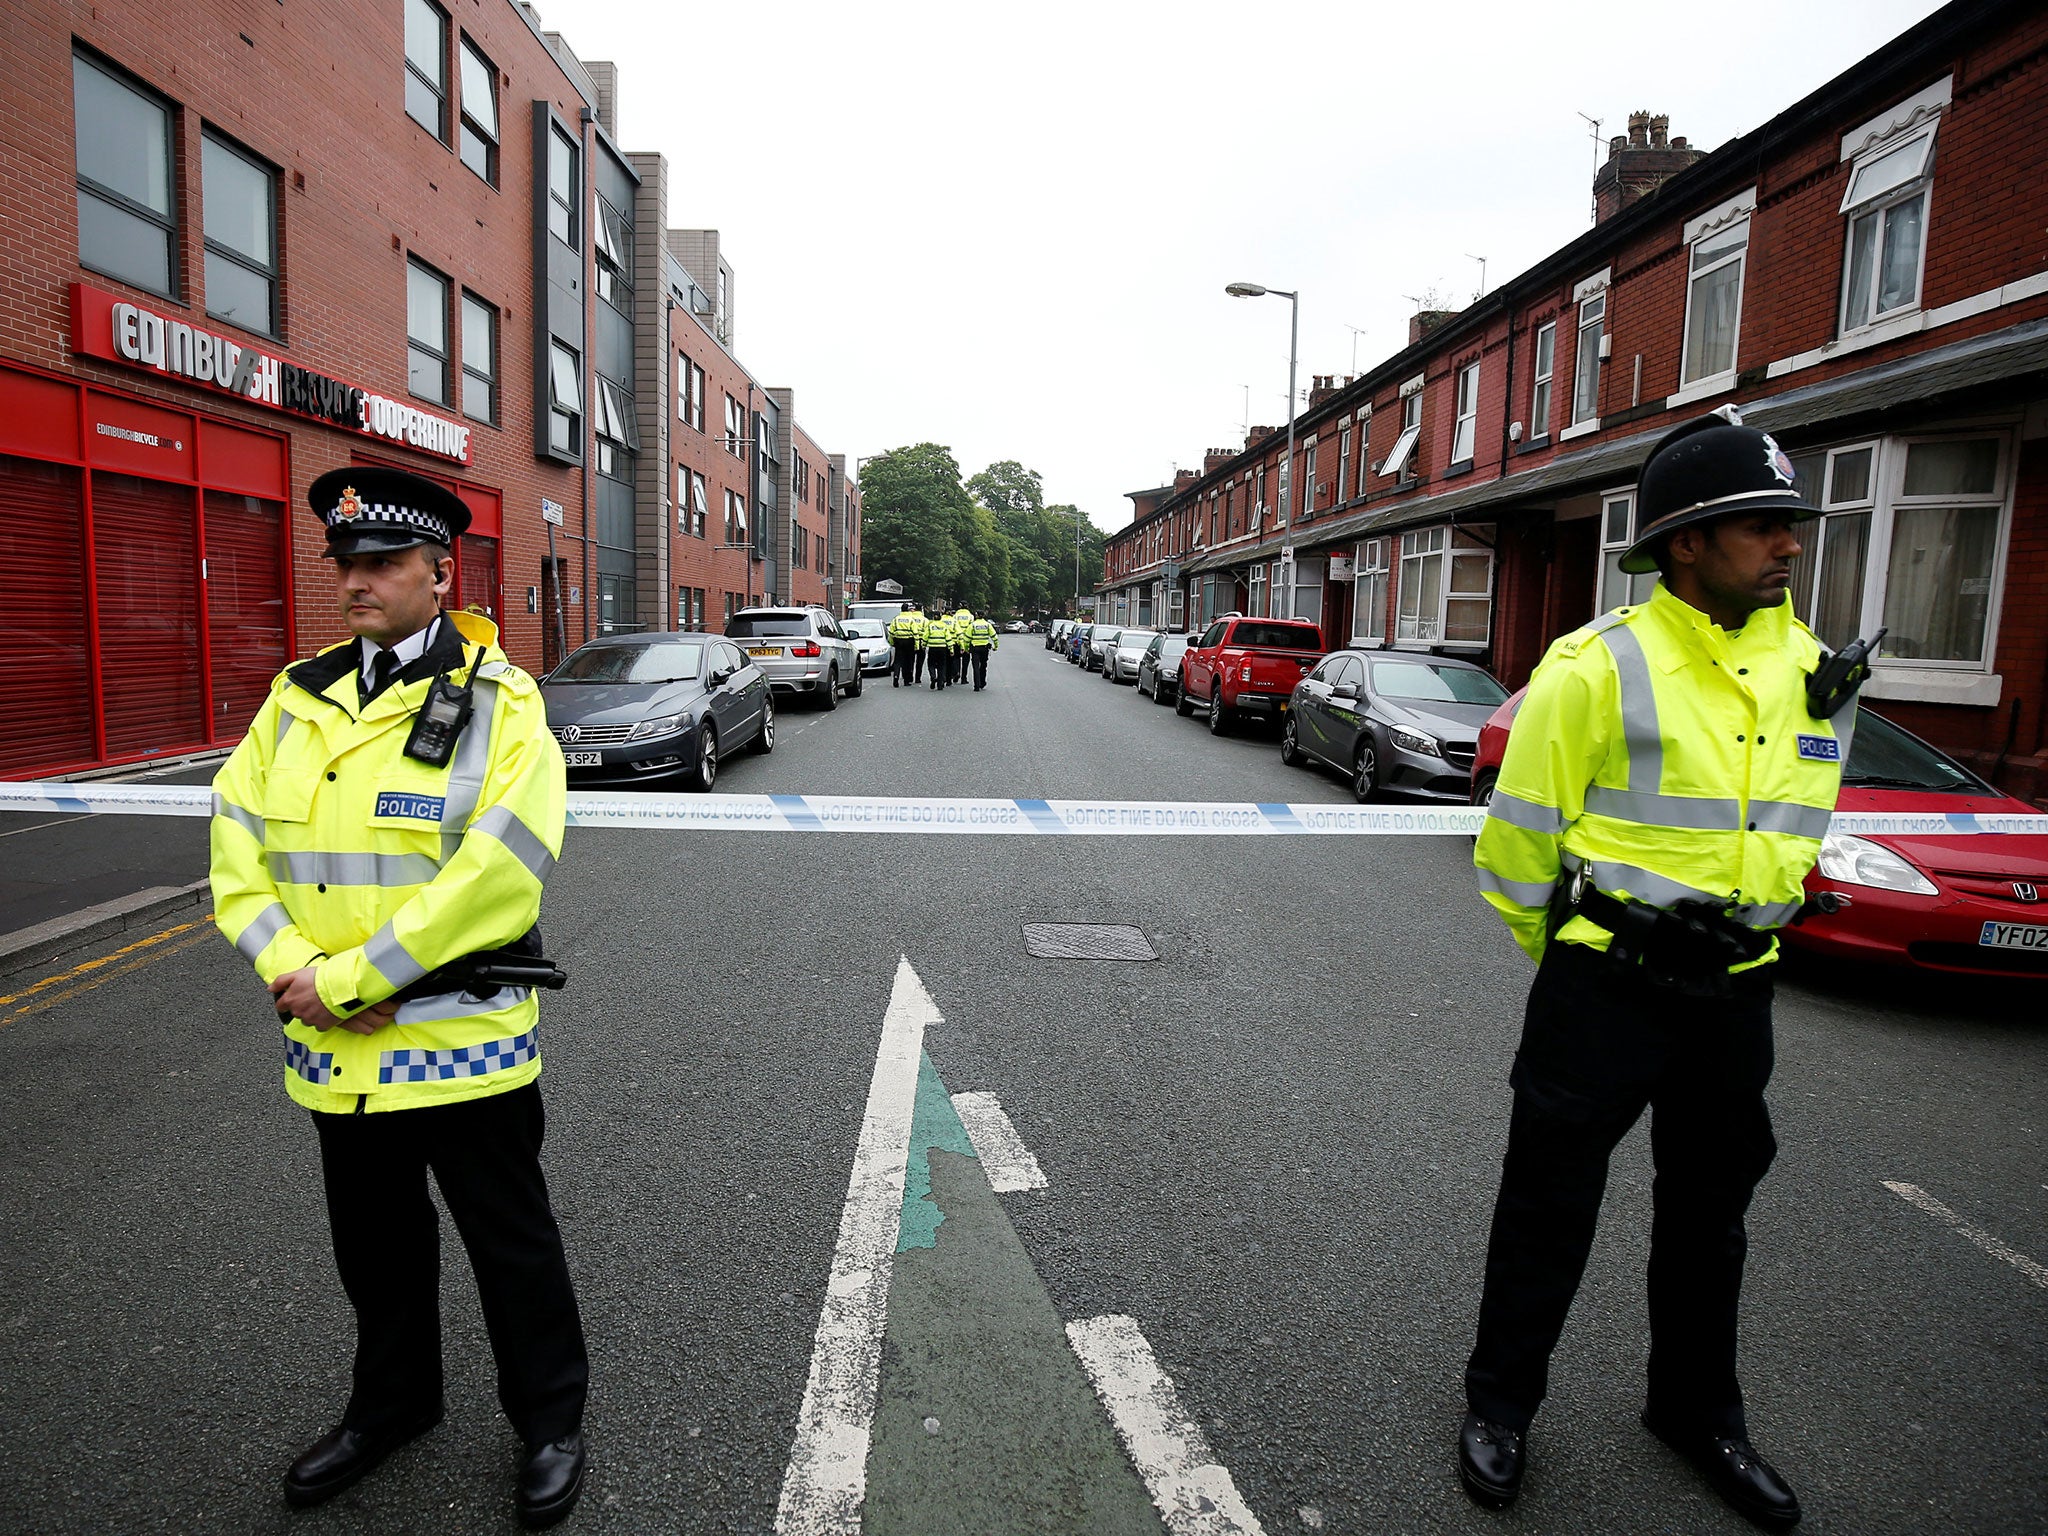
(1258, 435)
(1639, 164)
(1214, 459)
(1423, 321)
(1321, 388)
(1182, 479)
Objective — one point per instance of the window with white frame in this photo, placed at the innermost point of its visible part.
(1399, 462)
(1308, 590)
(1364, 447)
(1465, 429)
(1539, 394)
(1445, 589)
(1586, 363)
(1256, 607)
(1343, 462)
(1369, 613)
(1886, 205)
(1717, 245)
(1308, 478)
(1176, 608)
(1617, 531)
(1259, 499)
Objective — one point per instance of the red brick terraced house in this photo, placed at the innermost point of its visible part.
(1866, 276)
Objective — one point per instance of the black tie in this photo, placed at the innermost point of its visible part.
(383, 673)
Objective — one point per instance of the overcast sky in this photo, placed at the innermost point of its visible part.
(1007, 229)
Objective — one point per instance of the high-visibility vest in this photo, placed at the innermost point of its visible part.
(907, 625)
(963, 622)
(332, 848)
(982, 634)
(1669, 760)
(938, 633)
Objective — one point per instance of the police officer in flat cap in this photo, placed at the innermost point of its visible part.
(1663, 794)
(379, 842)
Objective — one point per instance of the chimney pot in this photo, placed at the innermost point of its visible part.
(1616, 145)
(1639, 130)
(1678, 143)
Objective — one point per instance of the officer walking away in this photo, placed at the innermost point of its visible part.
(963, 624)
(1663, 794)
(938, 644)
(904, 631)
(924, 642)
(981, 639)
(380, 838)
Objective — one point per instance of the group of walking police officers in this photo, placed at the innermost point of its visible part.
(381, 836)
(944, 645)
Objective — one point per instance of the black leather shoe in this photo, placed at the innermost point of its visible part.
(550, 1481)
(1490, 1461)
(1749, 1484)
(341, 1456)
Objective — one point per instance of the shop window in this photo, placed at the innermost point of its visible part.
(127, 213)
(1617, 531)
(1369, 617)
(426, 331)
(479, 360)
(565, 399)
(238, 195)
(1445, 592)
(479, 146)
(426, 66)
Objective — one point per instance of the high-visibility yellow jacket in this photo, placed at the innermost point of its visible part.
(907, 625)
(963, 623)
(981, 635)
(938, 633)
(332, 848)
(1671, 760)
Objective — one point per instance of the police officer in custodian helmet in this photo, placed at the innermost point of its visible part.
(1663, 794)
(379, 842)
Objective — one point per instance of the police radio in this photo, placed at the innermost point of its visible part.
(441, 718)
(1834, 682)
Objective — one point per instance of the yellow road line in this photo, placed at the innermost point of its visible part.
(104, 961)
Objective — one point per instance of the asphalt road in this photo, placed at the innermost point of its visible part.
(1274, 1148)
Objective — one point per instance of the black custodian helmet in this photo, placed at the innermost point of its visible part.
(1711, 467)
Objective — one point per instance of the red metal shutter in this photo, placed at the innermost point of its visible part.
(477, 576)
(244, 605)
(45, 666)
(147, 581)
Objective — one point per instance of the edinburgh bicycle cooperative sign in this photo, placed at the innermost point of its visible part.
(105, 326)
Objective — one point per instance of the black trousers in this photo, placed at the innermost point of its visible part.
(980, 654)
(917, 665)
(905, 669)
(485, 1155)
(1600, 1043)
(939, 664)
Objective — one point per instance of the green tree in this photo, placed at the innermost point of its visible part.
(912, 512)
(1008, 487)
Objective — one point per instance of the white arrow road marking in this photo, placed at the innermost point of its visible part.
(1004, 1157)
(1193, 1491)
(1914, 1195)
(826, 1483)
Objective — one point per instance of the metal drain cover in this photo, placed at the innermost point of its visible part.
(1087, 941)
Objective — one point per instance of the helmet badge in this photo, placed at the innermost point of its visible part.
(1777, 461)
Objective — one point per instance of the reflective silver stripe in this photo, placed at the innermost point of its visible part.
(1774, 916)
(1648, 809)
(1638, 710)
(1522, 893)
(1789, 816)
(1527, 814)
(466, 772)
(284, 723)
(457, 1005)
(248, 821)
(508, 829)
(381, 869)
(1844, 733)
(1643, 884)
(255, 938)
(394, 962)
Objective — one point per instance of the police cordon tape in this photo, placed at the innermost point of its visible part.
(919, 814)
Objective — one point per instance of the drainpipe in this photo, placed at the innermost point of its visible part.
(588, 262)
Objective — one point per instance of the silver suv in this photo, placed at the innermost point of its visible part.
(801, 649)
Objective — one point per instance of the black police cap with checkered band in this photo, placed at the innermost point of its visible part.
(366, 509)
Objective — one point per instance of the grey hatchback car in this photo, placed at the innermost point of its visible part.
(801, 649)
(1399, 720)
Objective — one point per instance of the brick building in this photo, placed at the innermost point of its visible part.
(248, 245)
(1865, 275)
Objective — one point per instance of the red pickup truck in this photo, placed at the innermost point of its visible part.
(1246, 666)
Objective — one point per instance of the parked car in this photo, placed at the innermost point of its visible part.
(1100, 639)
(1120, 658)
(1246, 666)
(801, 649)
(1056, 632)
(1392, 720)
(1956, 904)
(882, 611)
(1159, 667)
(1015, 627)
(1076, 643)
(871, 638)
(656, 709)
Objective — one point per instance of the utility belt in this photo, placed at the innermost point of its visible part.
(1688, 947)
(483, 974)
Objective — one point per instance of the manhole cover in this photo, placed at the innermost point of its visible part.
(1087, 941)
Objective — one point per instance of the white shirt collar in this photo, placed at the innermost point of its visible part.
(408, 650)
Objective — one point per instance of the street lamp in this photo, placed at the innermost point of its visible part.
(1258, 291)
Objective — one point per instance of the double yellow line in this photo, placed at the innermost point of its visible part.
(52, 990)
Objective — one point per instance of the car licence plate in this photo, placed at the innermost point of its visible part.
(583, 759)
(2013, 936)
(764, 650)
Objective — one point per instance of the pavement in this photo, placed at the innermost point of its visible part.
(1268, 1158)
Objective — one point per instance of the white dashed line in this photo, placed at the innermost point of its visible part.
(1193, 1491)
(1914, 1195)
(826, 1483)
(1004, 1157)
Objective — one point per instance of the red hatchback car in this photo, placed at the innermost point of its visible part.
(1970, 902)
